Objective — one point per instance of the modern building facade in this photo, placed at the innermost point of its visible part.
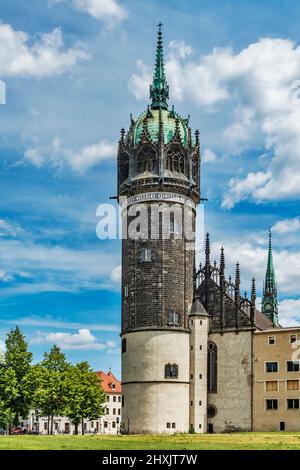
(190, 339)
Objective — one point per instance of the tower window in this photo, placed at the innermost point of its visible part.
(271, 386)
(174, 318)
(292, 385)
(272, 404)
(293, 404)
(212, 358)
(174, 224)
(293, 339)
(171, 371)
(124, 345)
(146, 254)
(271, 366)
(292, 366)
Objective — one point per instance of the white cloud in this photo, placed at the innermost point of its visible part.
(139, 82)
(239, 189)
(109, 11)
(180, 49)
(252, 257)
(83, 340)
(51, 322)
(5, 277)
(54, 268)
(2, 346)
(116, 274)
(256, 93)
(209, 155)
(287, 225)
(9, 229)
(45, 56)
(289, 312)
(59, 156)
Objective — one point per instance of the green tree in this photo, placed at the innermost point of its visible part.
(50, 379)
(85, 396)
(8, 395)
(18, 358)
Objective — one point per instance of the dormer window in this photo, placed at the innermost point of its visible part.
(113, 386)
(174, 318)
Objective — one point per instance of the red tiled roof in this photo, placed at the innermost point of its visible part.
(262, 322)
(107, 380)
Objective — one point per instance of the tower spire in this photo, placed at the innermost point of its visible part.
(269, 301)
(159, 90)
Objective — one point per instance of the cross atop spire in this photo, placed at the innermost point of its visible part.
(159, 90)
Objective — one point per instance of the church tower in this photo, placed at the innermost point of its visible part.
(269, 301)
(158, 190)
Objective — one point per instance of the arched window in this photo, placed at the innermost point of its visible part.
(171, 371)
(181, 164)
(146, 159)
(175, 160)
(212, 369)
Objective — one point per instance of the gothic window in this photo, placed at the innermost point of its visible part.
(194, 171)
(174, 318)
(171, 371)
(175, 160)
(174, 224)
(212, 362)
(146, 159)
(181, 164)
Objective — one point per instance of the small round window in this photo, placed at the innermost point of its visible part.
(211, 411)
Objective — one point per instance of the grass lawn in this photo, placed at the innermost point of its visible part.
(269, 441)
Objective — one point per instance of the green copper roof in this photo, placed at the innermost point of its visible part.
(159, 90)
(158, 120)
(151, 121)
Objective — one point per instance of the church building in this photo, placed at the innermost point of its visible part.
(188, 334)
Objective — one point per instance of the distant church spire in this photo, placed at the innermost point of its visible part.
(269, 301)
(159, 90)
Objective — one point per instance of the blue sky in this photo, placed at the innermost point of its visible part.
(74, 70)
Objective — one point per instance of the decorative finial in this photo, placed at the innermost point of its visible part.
(237, 275)
(159, 90)
(222, 260)
(207, 249)
(172, 113)
(253, 290)
(149, 114)
(122, 134)
(197, 137)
